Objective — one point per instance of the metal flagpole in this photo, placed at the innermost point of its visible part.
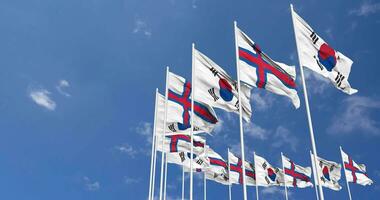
(344, 167)
(166, 175)
(257, 186)
(204, 177)
(315, 176)
(283, 169)
(229, 175)
(240, 113)
(163, 134)
(153, 146)
(192, 119)
(154, 167)
(314, 148)
(183, 183)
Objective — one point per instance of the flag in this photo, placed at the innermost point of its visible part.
(295, 175)
(180, 143)
(266, 174)
(179, 108)
(315, 54)
(328, 172)
(236, 171)
(160, 115)
(259, 70)
(355, 173)
(218, 167)
(217, 89)
(184, 159)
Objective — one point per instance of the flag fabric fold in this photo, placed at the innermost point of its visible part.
(181, 143)
(295, 175)
(184, 159)
(355, 173)
(217, 89)
(328, 172)
(266, 174)
(315, 54)
(259, 70)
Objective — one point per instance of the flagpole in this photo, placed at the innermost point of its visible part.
(314, 175)
(192, 119)
(163, 134)
(204, 177)
(344, 167)
(257, 186)
(314, 148)
(283, 169)
(154, 166)
(229, 174)
(240, 114)
(153, 146)
(166, 175)
(183, 183)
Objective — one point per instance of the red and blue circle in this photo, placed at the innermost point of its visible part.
(326, 56)
(326, 173)
(271, 174)
(225, 90)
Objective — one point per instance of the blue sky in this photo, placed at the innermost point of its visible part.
(78, 78)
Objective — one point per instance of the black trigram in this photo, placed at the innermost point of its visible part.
(267, 180)
(196, 128)
(314, 37)
(199, 162)
(237, 105)
(212, 93)
(172, 128)
(264, 165)
(182, 156)
(214, 71)
(339, 79)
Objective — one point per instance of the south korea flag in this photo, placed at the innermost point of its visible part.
(266, 174)
(315, 54)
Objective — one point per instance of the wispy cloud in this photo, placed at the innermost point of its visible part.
(256, 131)
(62, 85)
(283, 137)
(316, 84)
(355, 115)
(130, 180)
(41, 97)
(262, 100)
(127, 149)
(141, 27)
(91, 185)
(145, 129)
(366, 8)
(272, 191)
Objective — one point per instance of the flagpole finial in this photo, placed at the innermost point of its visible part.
(156, 90)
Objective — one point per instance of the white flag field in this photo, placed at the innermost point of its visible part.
(328, 172)
(295, 175)
(217, 89)
(236, 171)
(266, 174)
(355, 173)
(315, 54)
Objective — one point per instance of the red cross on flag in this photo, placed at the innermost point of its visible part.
(217, 89)
(180, 143)
(355, 173)
(295, 175)
(328, 172)
(179, 108)
(315, 54)
(236, 171)
(259, 70)
(267, 175)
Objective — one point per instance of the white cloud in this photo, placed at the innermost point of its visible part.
(145, 129)
(329, 33)
(316, 84)
(194, 4)
(141, 27)
(355, 115)
(271, 191)
(62, 84)
(127, 149)
(262, 100)
(41, 97)
(130, 180)
(91, 185)
(256, 131)
(283, 137)
(366, 8)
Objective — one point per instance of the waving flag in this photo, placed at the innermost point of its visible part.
(184, 159)
(355, 173)
(295, 175)
(236, 171)
(315, 54)
(259, 70)
(217, 89)
(329, 173)
(266, 174)
(180, 143)
(217, 169)
(179, 108)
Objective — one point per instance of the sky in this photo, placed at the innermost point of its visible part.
(78, 78)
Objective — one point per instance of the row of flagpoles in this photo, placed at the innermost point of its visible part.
(183, 114)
